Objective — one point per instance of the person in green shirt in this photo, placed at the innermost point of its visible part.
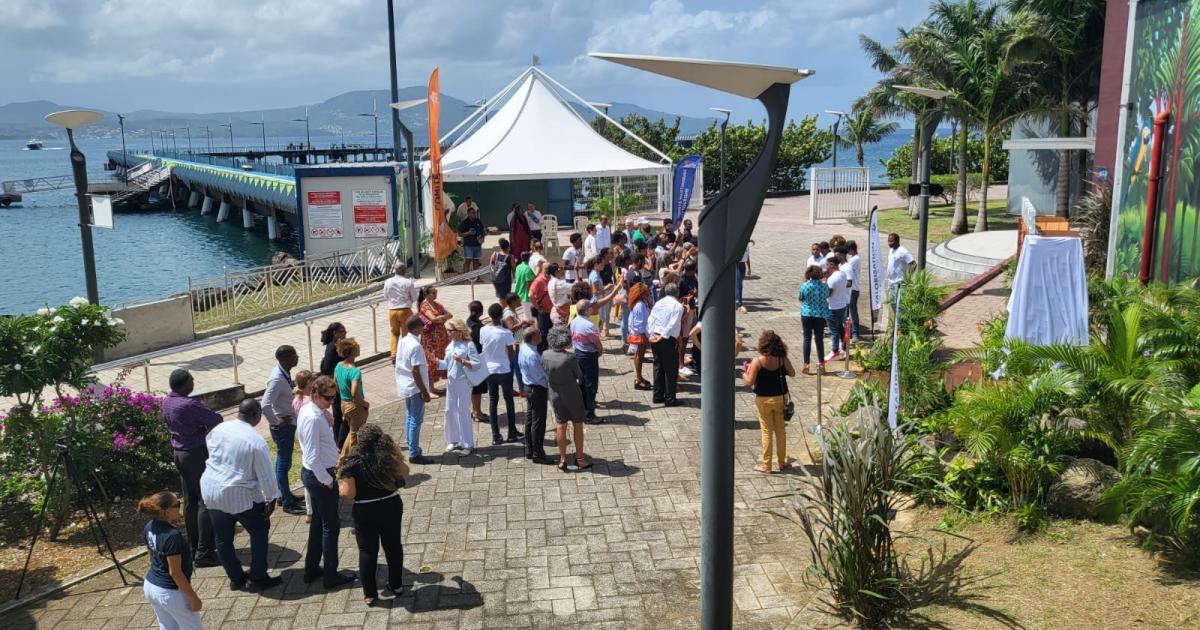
(523, 277)
(348, 377)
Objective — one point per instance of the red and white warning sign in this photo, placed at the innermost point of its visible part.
(370, 213)
(325, 214)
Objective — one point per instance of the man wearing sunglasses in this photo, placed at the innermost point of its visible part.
(320, 460)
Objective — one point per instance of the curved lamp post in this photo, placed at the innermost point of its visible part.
(728, 220)
(411, 218)
(931, 124)
(71, 120)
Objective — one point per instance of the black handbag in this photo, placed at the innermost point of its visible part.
(789, 407)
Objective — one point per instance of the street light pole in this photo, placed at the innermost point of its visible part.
(412, 226)
(208, 132)
(71, 120)
(724, 124)
(836, 123)
(189, 138)
(927, 130)
(307, 135)
(124, 154)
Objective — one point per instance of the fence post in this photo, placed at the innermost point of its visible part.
(267, 274)
(308, 333)
(374, 328)
(227, 292)
(146, 373)
(233, 342)
(812, 195)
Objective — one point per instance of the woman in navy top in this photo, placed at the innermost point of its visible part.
(814, 310)
(168, 585)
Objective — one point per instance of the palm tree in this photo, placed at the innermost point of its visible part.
(1065, 46)
(952, 26)
(862, 127)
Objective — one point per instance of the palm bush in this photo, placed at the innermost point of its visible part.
(1161, 488)
(845, 511)
(1001, 426)
(1092, 219)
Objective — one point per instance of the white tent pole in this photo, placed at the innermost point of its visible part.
(589, 106)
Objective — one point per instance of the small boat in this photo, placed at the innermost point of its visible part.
(33, 145)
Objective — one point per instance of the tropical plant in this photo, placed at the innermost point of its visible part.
(657, 133)
(1000, 425)
(1161, 487)
(610, 203)
(803, 144)
(1092, 216)
(943, 160)
(845, 511)
(863, 127)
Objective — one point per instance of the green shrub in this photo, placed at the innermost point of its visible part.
(949, 185)
(899, 163)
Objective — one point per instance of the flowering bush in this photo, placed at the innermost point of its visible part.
(119, 443)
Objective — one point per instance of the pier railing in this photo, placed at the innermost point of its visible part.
(258, 166)
(241, 296)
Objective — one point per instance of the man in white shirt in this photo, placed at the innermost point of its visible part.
(574, 259)
(468, 203)
(497, 342)
(401, 295)
(238, 486)
(663, 326)
(603, 234)
(899, 263)
(590, 249)
(277, 407)
(852, 266)
(411, 386)
(816, 260)
(317, 472)
(839, 300)
(535, 255)
(533, 216)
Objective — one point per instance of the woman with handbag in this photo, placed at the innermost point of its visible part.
(767, 375)
(464, 370)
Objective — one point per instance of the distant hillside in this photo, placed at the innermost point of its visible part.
(337, 117)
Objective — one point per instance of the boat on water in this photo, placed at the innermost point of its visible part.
(33, 145)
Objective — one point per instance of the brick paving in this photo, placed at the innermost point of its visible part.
(958, 324)
(492, 541)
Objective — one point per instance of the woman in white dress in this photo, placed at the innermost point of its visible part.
(461, 356)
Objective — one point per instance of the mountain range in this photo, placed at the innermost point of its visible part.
(347, 115)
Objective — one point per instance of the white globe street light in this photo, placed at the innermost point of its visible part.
(71, 120)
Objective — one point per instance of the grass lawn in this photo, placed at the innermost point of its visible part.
(898, 221)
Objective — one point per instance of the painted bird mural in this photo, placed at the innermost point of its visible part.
(1139, 158)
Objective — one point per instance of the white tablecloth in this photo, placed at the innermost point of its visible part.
(1049, 301)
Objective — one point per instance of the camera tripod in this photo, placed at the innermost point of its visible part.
(64, 462)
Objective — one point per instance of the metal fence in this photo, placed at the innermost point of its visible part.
(588, 190)
(839, 193)
(258, 166)
(243, 295)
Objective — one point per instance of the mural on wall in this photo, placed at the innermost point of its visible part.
(1165, 75)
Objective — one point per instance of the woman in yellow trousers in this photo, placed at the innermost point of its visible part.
(767, 375)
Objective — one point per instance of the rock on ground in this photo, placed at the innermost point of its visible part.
(1078, 492)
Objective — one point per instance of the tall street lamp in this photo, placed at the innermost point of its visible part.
(374, 114)
(263, 123)
(174, 142)
(124, 154)
(412, 227)
(480, 104)
(152, 147)
(724, 124)
(729, 221)
(836, 121)
(208, 132)
(71, 120)
(229, 126)
(308, 136)
(604, 107)
(189, 137)
(930, 125)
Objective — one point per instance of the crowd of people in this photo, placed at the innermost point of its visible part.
(541, 340)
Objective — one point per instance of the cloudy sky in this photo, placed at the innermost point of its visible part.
(215, 55)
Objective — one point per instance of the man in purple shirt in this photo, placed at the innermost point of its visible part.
(189, 422)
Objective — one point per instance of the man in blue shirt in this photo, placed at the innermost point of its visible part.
(537, 388)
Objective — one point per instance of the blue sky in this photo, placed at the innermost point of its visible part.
(215, 55)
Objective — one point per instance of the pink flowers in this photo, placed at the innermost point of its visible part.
(124, 440)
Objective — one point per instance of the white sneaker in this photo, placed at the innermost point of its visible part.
(685, 371)
(450, 447)
(830, 357)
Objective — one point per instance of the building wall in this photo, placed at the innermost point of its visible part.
(1164, 76)
(153, 325)
(1112, 70)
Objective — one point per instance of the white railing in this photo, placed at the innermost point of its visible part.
(839, 193)
(239, 296)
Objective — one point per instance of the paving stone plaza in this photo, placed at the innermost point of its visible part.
(493, 541)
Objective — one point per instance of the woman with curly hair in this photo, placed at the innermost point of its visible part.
(767, 375)
(460, 358)
(371, 475)
(434, 339)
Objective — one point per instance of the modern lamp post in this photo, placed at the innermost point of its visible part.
(480, 104)
(836, 122)
(229, 126)
(604, 107)
(152, 147)
(729, 221)
(71, 120)
(412, 218)
(931, 124)
(189, 138)
(124, 154)
(263, 123)
(308, 136)
(724, 124)
(208, 132)
(374, 114)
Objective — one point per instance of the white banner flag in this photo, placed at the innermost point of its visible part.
(894, 387)
(876, 265)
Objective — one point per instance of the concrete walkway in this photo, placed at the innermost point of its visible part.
(492, 541)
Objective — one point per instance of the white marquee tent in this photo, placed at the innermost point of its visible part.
(536, 134)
